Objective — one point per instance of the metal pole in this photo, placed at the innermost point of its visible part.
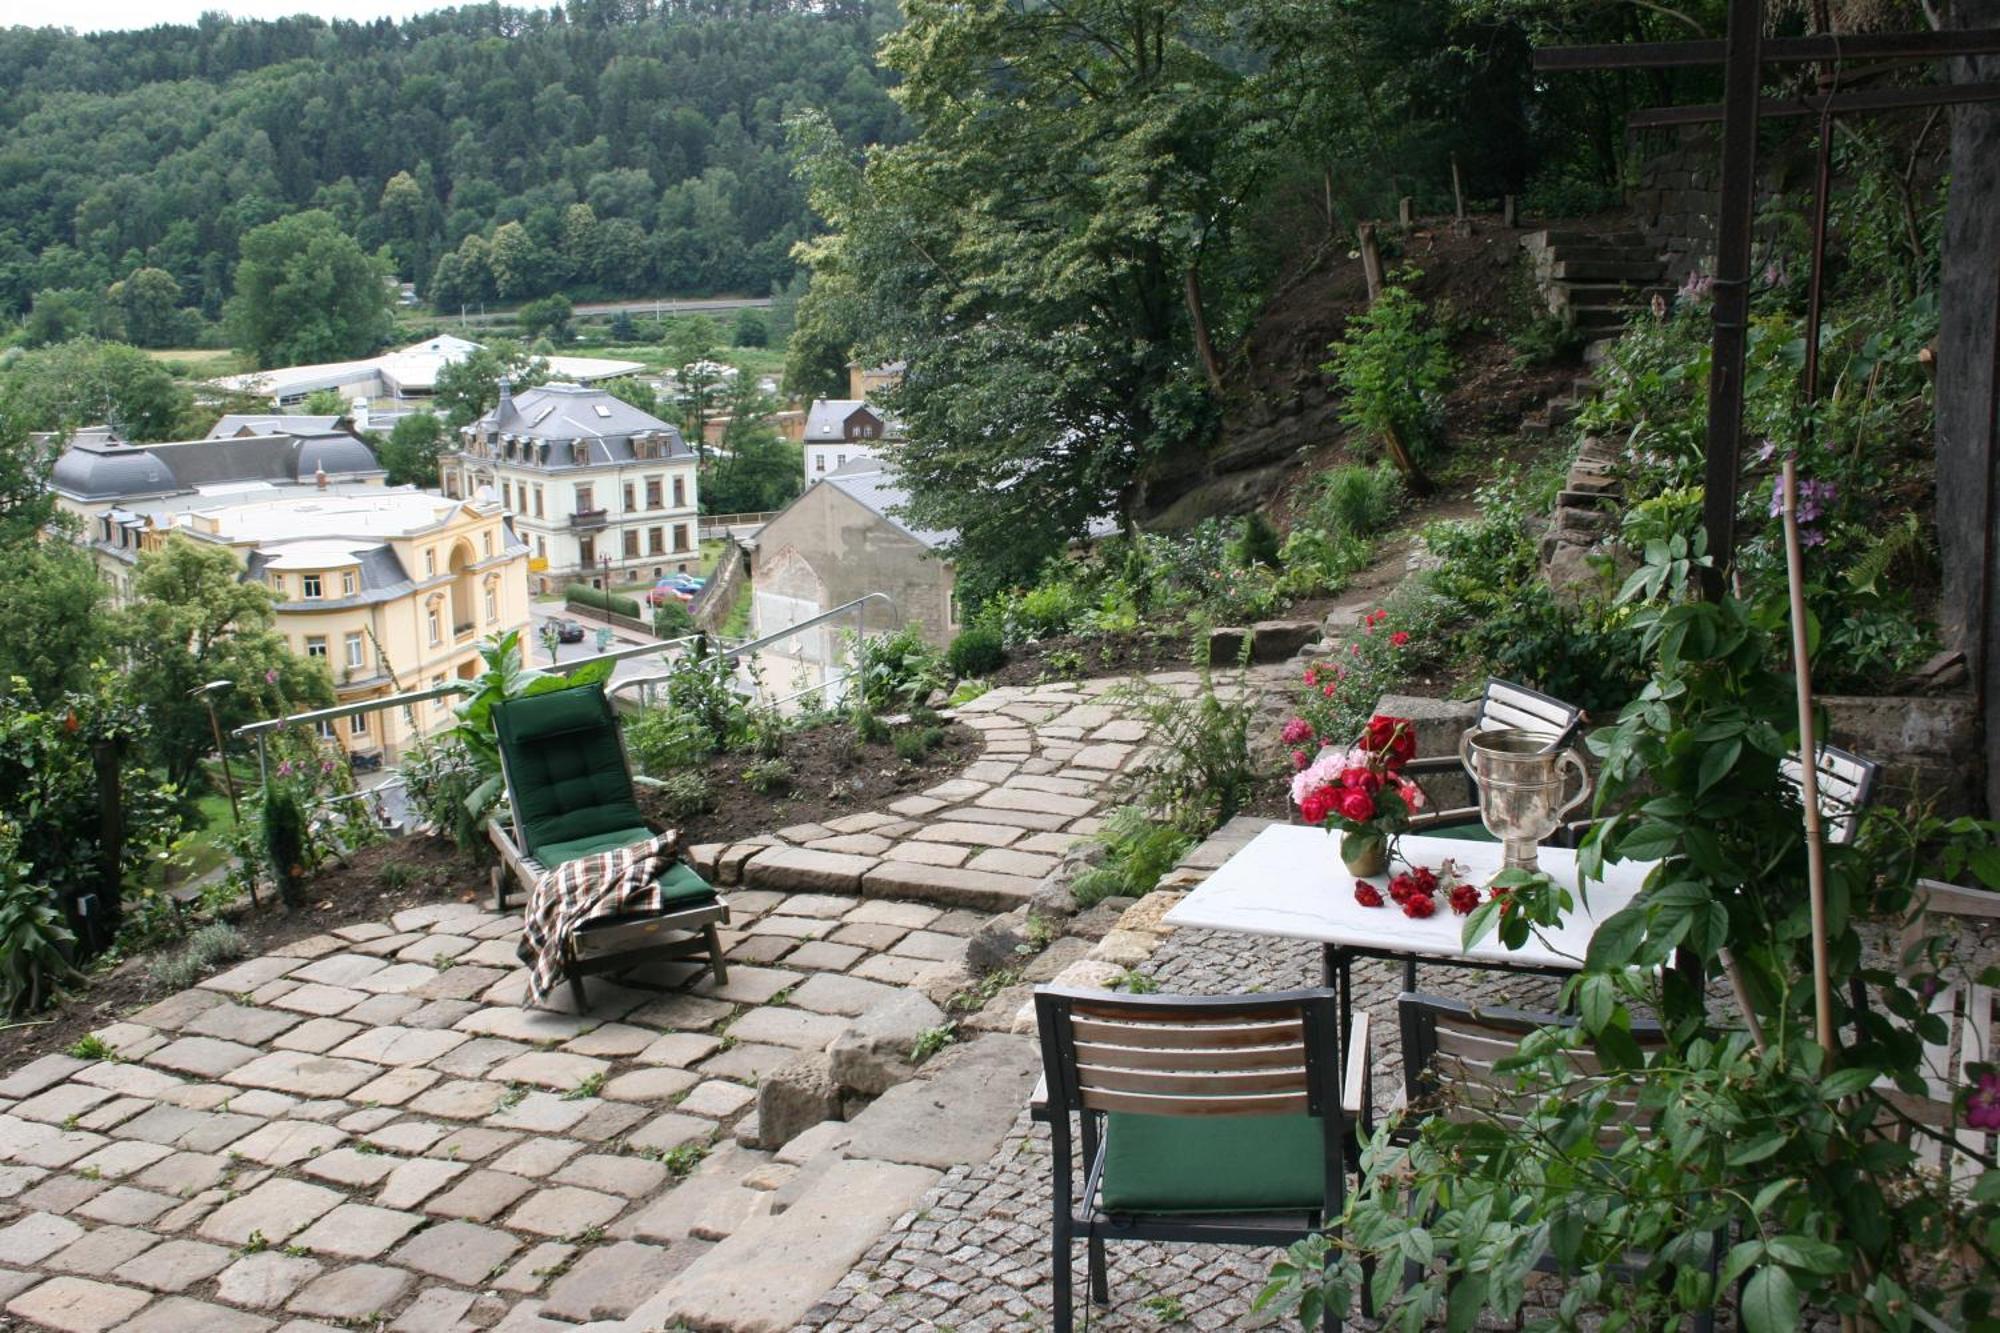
(1732, 287)
(228, 778)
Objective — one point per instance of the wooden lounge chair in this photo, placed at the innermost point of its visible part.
(569, 794)
(1505, 705)
(1208, 1119)
(1449, 1052)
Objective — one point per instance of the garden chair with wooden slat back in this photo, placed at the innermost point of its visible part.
(570, 794)
(1970, 1013)
(1450, 1049)
(1215, 1119)
(1504, 705)
(1846, 786)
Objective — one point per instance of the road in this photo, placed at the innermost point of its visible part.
(537, 655)
(661, 306)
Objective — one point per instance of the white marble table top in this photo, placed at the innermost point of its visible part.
(1289, 882)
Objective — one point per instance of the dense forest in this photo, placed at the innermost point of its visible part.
(626, 148)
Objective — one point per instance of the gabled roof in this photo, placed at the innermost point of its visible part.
(873, 485)
(826, 420)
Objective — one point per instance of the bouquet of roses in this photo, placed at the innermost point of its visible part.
(1362, 792)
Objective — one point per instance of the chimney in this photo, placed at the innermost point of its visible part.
(319, 476)
(506, 403)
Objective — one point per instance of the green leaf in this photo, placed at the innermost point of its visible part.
(1716, 761)
(1770, 1302)
(1650, 841)
(1615, 941)
(1764, 1145)
(1846, 1082)
(1814, 1256)
(1985, 863)
(1595, 1001)
(1741, 1257)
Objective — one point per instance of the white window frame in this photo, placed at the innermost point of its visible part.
(350, 582)
(357, 724)
(309, 586)
(357, 653)
(316, 646)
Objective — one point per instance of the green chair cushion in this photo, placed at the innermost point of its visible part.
(1212, 1163)
(566, 771)
(680, 886)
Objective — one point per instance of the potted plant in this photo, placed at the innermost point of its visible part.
(1360, 791)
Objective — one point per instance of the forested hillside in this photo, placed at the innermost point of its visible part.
(634, 147)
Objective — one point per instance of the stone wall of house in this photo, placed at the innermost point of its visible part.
(1927, 744)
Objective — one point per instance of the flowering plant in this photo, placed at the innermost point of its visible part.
(1359, 789)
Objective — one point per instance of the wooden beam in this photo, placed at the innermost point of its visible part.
(1794, 108)
(1775, 51)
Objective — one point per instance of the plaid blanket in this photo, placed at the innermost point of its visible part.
(578, 892)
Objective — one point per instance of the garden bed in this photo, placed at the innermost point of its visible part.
(340, 895)
(832, 774)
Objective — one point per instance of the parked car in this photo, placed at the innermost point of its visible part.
(568, 631)
(663, 592)
(687, 583)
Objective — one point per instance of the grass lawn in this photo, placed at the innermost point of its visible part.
(197, 362)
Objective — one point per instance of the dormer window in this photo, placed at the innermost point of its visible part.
(579, 453)
(430, 562)
(348, 583)
(309, 585)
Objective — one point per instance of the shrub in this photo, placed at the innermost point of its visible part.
(1258, 544)
(215, 943)
(1352, 500)
(966, 691)
(671, 620)
(704, 689)
(766, 776)
(1140, 850)
(1393, 368)
(1201, 773)
(284, 822)
(978, 651)
(666, 739)
(439, 775)
(684, 794)
(898, 671)
(868, 728)
(35, 942)
(582, 594)
(913, 743)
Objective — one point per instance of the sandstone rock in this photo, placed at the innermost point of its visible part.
(1002, 942)
(795, 1098)
(873, 1054)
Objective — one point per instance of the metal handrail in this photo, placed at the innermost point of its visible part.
(858, 608)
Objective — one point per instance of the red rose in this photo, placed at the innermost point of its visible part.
(1367, 894)
(1464, 898)
(1356, 805)
(1394, 738)
(1419, 905)
(1424, 879)
(1362, 779)
(1399, 638)
(1317, 805)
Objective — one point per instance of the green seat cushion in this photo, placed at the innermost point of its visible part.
(1212, 1163)
(566, 773)
(679, 886)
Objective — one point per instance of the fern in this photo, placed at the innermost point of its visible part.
(1882, 553)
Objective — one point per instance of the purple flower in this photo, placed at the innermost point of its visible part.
(1766, 450)
(1982, 1107)
(1695, 286)
(271, 676)
(1774, 273)
(285, 768)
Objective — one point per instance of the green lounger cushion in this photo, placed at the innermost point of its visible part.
(1212, 1163)
(566, 772)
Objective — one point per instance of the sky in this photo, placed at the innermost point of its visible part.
(97, 15)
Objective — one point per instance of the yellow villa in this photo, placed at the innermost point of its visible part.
(392, 588)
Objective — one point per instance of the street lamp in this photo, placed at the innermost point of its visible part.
(206, 693)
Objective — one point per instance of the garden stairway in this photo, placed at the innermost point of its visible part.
(1595, 280)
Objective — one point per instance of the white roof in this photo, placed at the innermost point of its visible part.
(408, 370)
(313, 520)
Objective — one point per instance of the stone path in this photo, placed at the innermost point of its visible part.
(369, 1129)
(1052, 759)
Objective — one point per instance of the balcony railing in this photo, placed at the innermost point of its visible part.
(589, 518)
(462, 632)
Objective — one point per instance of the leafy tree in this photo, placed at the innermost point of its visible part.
(467, 389)
(325, 403)
(149, 301)
(84, 383)
(751, 329)
(519, 263)
(548, 317)
(60, 315)
(631, 389)
(306, 293)
(622, 329)
(53, 621)
(25, 501)
(194, 619)
(758, 469)
(1056, 254)
(410, 453)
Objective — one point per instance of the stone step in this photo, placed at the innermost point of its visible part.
(1567, 269)
(1609, 320)
(771, 1271)
(1581, 295)
(1604, 254)
(1559, 237)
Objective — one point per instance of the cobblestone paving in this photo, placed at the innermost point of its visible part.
(976, 1256)
(367, 1128)
(1050, 764)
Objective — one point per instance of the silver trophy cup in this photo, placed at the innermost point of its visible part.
(1521, 777)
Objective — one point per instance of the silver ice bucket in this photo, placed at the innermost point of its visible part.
(1522, 776)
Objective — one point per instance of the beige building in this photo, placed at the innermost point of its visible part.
(842, 539)
(392, 589)
(596, 487)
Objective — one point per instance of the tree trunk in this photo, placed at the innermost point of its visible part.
(1198, 316)
(1968, 307)
(1399, 454)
